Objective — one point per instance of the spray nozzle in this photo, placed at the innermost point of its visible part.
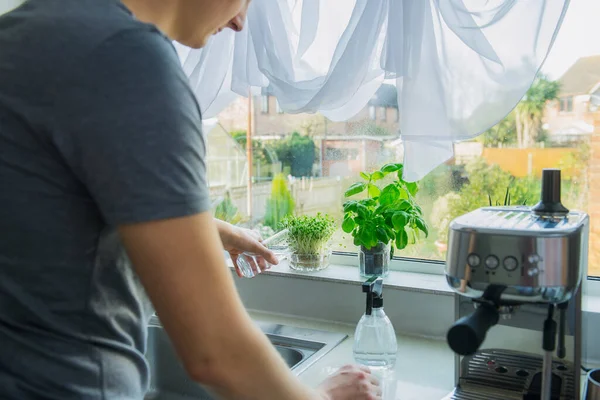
(374, 290)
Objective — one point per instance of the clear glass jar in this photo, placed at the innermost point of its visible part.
(310, 262)
(374, 261)
(249, 264)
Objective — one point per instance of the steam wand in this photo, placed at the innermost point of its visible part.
(549, 345)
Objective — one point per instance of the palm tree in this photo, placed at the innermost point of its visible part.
(530, 111)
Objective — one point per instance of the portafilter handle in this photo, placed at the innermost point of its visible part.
(468, 333)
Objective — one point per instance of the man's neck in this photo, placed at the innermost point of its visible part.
(157, 12)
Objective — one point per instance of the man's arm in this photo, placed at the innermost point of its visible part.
(180, 263)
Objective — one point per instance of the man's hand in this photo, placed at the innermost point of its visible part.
(351, 383)
(238, 240)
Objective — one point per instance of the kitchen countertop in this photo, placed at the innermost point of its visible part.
(424, 367)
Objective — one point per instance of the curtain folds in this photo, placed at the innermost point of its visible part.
(460, 65)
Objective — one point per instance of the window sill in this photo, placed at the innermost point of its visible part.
(346, 274)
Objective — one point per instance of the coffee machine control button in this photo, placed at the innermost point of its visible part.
(510, 263)
(534, 259)
(473, 260)
(492, 262)
(533, 271)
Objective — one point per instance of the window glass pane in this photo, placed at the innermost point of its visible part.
(305, 163)
(264, 105)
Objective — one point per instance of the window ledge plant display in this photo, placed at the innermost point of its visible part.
(308, 241)
(383, 216)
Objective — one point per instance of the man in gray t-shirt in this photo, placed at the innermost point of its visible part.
(100, 144)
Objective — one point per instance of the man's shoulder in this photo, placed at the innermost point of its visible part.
(71, 27)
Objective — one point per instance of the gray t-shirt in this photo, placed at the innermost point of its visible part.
(98, 127)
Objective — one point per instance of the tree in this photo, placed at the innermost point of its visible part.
(280, 204)
(530, 110)
(502, 134)
(297, 152)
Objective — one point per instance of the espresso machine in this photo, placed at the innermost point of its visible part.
(518, 269)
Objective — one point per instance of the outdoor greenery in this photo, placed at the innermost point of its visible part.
(523, 126)
(227, 211)
(486, 183)
(280, 204)
(296, 152)
(385, 214)
(309, 234)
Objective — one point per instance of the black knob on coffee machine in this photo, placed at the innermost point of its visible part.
(468, 333)
(550, 204)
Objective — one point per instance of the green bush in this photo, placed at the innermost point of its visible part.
(486, 183)
(227, 211)
(280, 204)
(296, 152)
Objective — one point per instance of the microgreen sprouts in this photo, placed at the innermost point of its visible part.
(309, 234)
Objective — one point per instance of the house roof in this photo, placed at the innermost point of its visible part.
(581, 77)
(386, 96)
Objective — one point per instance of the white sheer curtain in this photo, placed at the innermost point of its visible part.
(460, 65)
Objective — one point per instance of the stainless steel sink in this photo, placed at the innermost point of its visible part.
(299, 347)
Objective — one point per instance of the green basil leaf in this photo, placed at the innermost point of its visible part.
(422, 226)
(374, 191)
(412, 188)
(382, 235)
(348, 225)
(350, 206)
(366, 177)
(399, 220)
(377, 175)
(401, 239)
(389, 195)
(400, 172)
(388, 168)
(355, 189)
(403, 205)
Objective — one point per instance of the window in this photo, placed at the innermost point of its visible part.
(383, 113)
(317, 160)
(566, 104)
(278, 107)
(372, 114)
(264, 104)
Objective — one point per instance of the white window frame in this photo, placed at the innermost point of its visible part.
(264, 104)
(372, 113)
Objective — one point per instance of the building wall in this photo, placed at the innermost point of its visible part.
(274, 123)
(557, 119)
(235, 116)
(357, 156)
(593, 196)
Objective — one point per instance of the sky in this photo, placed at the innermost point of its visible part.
(578, 37)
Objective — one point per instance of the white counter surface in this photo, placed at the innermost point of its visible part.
(424, 367)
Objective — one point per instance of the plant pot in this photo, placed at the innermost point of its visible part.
(374, 261)
(310, 262)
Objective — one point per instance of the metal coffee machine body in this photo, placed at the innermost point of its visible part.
(518, 267)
